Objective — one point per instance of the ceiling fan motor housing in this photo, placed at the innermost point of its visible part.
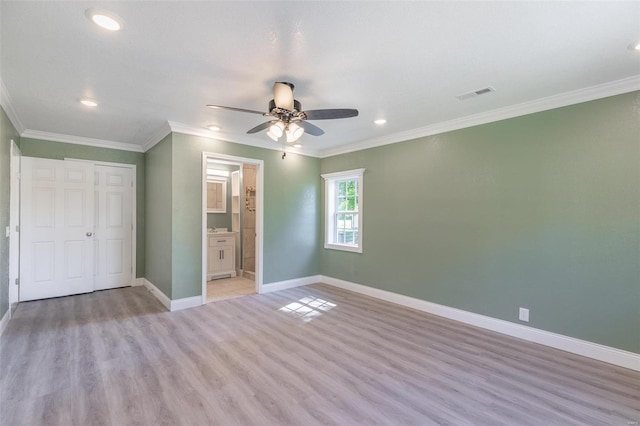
(296, 105)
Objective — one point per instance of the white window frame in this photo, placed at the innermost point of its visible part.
(329, 209)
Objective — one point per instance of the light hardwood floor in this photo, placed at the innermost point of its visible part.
(305, 356)
(228, 288)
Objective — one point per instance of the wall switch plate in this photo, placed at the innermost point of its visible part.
(523, 314)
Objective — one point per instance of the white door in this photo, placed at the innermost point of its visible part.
(113, 227)
(57, 228)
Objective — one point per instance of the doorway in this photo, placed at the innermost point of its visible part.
(232, 219)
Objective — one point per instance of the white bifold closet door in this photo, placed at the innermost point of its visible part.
(113, 226)
(76, 223)
(56, 241)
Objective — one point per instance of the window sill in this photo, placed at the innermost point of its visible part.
(340, 247)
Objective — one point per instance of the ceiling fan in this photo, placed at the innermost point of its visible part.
(288, 118)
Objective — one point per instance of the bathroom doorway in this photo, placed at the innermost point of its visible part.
(232, 226)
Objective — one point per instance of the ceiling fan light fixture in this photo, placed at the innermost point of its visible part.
(276, 130)
(272, 136)
(294, 132)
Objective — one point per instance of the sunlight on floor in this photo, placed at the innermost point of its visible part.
(308, 308)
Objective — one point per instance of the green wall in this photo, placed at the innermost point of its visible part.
(158, 215)
(291, 212)
(7, 132)
(60, 151)
(540, 211)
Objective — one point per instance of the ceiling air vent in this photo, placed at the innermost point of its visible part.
(475, 93)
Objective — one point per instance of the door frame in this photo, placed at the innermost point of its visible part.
(134, 207)
(14, 224)
(237, 161)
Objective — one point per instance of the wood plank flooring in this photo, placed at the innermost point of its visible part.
(227, 288)
(311, 355)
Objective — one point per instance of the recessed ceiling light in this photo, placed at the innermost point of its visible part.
(89, 102)
(213, 128)
(107, 20)
(380, 121)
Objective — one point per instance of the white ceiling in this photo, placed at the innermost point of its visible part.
(402, 61)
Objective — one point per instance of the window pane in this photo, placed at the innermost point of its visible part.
(347, 195)
(346, 228)
(342, 189)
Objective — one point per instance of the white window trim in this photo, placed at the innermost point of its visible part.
(329, 209)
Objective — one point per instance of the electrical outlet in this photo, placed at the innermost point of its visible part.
(523, 314)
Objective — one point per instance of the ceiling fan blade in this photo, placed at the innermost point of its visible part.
(262, 126)
(328, 114)
(236, 109)
(312, 129)
(283, 95)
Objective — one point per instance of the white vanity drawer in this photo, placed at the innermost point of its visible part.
(215, 241)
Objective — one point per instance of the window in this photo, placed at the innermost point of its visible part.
(343, 210)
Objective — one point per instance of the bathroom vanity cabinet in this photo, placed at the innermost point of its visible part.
(221, 255)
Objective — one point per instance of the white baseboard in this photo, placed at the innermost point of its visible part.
(4, 322)
(137, 282)
(185, 303)
(580, 347)
(171, 305)
(296, 282)
(166, 302)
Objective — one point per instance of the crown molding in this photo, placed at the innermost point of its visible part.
(5, 101)
(618, 87)
(196, 131)
(164, 130)
(79, 140)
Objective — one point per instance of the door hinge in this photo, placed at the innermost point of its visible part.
(17, 281)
